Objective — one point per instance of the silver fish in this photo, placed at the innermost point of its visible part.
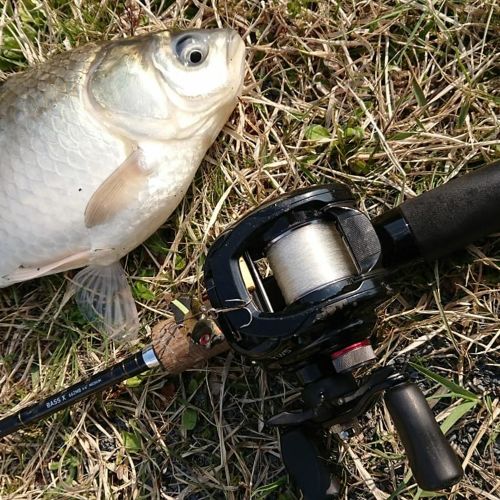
(97, 148)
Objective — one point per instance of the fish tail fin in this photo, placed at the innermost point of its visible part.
(105, 299)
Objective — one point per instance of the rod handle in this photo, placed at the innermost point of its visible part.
(455, 214)
(433, 462)
(306, 463)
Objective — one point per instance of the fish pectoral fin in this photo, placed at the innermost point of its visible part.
(118, 190)
(105, 299)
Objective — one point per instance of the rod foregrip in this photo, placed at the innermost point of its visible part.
(446, 218)
(432, 460)
(176, 351)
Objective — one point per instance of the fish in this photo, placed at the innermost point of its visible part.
(98, 146)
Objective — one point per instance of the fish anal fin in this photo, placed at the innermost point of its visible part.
(105, 298)
(117, 191)
(25, 273)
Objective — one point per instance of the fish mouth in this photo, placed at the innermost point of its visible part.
(235, 54)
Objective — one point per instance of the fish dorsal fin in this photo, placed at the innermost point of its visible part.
(105, 299)
(118, 190)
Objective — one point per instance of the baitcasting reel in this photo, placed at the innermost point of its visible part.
(320, 278)
(297, 281)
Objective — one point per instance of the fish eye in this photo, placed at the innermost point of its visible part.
(191, 51)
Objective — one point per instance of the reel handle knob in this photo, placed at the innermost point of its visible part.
(306, 463)
(433, 462)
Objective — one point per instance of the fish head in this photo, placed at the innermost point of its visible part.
(165, 85)
(204, 72)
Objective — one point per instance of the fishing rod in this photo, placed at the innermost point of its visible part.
(310, 316)
(178, 344)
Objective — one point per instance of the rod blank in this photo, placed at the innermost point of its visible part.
(133, 365)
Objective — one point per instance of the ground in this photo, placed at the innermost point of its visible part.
(390, 97)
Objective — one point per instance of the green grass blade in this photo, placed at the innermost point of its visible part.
(454, 388)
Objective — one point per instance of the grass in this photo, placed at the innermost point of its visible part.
(392, 98)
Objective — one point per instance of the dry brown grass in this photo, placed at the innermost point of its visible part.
(406, 96)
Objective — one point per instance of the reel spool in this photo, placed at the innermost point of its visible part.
(308, 258)
(287, 275)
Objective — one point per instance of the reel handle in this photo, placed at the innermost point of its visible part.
(433, 462)
(305, 460)
(444, 219)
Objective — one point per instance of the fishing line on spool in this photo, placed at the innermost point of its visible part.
(309, 257)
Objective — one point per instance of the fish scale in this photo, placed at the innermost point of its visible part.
(99, 145)
(40, 164)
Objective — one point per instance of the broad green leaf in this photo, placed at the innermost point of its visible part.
(133, 381)
(419, 94)
(157, 244)
(456, 415)
(131, 441)
(317, 133)
(357, 133)
(35, 378)
(359, 166)
(143, 292)
(180, 262)
(464, 111)
(192, 386)
(189, 419)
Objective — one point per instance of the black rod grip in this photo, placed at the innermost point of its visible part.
(455, 214)
(306, 462)
(433, 462)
